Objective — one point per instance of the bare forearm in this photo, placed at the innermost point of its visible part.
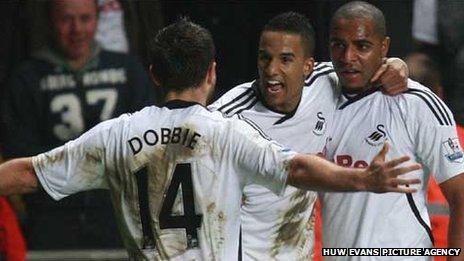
(315, 173)
(17, 176)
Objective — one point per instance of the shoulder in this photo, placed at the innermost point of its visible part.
(238, 98)
(221, 123)
(321, 71)
(145, 115)
(424, 105)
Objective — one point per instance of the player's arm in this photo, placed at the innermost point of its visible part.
(274, 166)
(452, 189)
(78, 165)
(17, 176)
(315, 173)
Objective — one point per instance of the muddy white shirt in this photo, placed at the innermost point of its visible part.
(416, 123)
(174, 175)
(282, 228)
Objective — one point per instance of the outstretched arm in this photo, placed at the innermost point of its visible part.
(17, 176)
(314, 173)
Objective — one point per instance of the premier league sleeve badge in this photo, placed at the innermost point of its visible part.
(452, 150)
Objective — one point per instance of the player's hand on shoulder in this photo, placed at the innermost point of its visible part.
(381, 176)
(392, 76)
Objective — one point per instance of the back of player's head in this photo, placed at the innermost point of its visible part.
(362, 10)
(181, 54)
(294, 23)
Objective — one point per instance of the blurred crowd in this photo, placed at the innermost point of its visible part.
(67, 65)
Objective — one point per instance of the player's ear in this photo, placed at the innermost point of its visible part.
(308, 66)
(385, 46)
(153, 76)
(211, 74)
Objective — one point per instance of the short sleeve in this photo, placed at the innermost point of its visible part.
(438, 147)
(78, 165)
(435, 135)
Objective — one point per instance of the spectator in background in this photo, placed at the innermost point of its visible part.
(64, 90)
(135, 22)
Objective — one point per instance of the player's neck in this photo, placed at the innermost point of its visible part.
(198, 95)
(357, 90)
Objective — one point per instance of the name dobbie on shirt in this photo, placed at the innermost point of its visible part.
(177, 135)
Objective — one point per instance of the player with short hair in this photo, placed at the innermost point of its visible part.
(176, 173)
(417, 123)
(293, 102)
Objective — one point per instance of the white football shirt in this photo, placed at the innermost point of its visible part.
(416, 123)
(282, 228)
(175, 176)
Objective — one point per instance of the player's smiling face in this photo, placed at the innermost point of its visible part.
(283, 67)
(356, 51)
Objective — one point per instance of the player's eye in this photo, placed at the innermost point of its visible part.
(364, 46)
(337, 45)
(287, 59)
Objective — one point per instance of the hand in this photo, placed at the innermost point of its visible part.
(382, 176)
(392, 76)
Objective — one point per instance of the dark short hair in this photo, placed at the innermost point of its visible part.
(360, 9)
(294, 23)
(181, 54)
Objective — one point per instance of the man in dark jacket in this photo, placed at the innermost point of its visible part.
(64, 90)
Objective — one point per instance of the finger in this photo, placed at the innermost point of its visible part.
(403, 170)
(395, 162)
(393, 89)
(382, 153)
(394, 86)
(379, 72)
(407, 181)
(388, 79)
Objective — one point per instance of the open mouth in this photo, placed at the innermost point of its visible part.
(350, 73)
(274, 86)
